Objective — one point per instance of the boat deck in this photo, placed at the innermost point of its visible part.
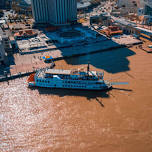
(70, 72)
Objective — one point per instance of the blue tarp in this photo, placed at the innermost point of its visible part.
(47, 57)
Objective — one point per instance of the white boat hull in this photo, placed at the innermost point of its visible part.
(75, 85)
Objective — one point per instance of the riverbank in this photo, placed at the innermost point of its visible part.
(71, 120)
(27, 63)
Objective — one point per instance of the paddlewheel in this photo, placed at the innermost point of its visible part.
(31, 78)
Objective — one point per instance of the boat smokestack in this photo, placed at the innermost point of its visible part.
(88, 68)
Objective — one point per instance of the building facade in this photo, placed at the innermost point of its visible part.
(5, 4)
(128, 6)
(2, 51)
(55, 12)
(145, 7)
(2, 4)
(148, 7)
(5, 42)
(40, 10)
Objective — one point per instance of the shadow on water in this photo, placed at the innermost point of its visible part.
(121, 89)
(113, 61)
(89, 94)
(77, 93)
(96, 95)
(71, 92)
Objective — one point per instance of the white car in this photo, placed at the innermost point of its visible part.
(150, 46)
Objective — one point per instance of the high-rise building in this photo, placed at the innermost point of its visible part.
(5, 4)
(55, 12)
(40, 11)
(2, 4)
(147, 5)
(2, 51)
(62, 11)
(128, 3)
(145, 8)
(128, 6)
(2, 47)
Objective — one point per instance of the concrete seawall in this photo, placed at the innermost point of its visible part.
(85, 53)
(75, 52)
(15, 76)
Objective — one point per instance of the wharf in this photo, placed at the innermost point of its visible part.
(63, 51)
(30, 62)
(77, 49)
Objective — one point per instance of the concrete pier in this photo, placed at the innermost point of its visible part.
(27, 63)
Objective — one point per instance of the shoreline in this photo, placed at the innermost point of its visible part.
(23, 74)
(66, 53)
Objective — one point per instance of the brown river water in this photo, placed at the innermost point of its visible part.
(48, 120)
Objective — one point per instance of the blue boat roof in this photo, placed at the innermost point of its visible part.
(47, 58)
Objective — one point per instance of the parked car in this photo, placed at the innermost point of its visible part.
(150, 46)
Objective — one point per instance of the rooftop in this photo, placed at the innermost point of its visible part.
(70, 72)
(28, 32)
(83, 4)
(58, 71)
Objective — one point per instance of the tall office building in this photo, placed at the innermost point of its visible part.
(55, 12)
(147, 5)
(40, 11)
(2, 4)
(2, 51)
(145, 8)
(128, 3)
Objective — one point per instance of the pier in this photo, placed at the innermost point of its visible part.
(28, 62)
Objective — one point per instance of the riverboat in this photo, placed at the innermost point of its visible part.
(70, 79)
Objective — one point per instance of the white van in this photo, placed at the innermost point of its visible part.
(150, 46)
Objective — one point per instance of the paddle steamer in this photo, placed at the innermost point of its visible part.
(69, 79)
